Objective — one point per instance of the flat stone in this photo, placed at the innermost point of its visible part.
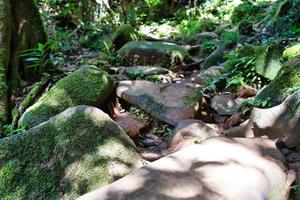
(169, 103)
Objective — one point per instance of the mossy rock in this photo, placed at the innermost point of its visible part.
(292, 51)
(145, 53)
(86, 86)
(123, 35)
(215, 58)
(285, 83)
(268, 60)
(95, 40)
(74, 152)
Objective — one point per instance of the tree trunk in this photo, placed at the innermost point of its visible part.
(21, 28)
(5, 38)
(27, 32)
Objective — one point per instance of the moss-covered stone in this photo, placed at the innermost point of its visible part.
(268, 60)
(86, 86)
(123, 35)
(215, 58)
(73, 153)
(292, 51)
(285, 83)
(164, 54)
(113, 42)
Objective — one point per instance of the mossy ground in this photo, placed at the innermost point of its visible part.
(67, 156)
(87, 86)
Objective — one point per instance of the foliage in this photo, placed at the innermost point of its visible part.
(189, 28)
(230, 37)
(140, 115)
(163, 130)
(8, 130)
(208, 46)
(250, 11)
(283, 18)
(240, 69)
(38, 58)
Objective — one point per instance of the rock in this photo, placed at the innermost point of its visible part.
(218, 168)
(285, 83)
(86, 86)
(146, 142)
(72, 153)
(297, 149)
(169, 103)
(191, 129)
(215, 58)
(246, 92)
(277, 122)
(206, 36)
(121, 36)
(268, 60)
(234, 120)
(224, 104)
(292, 51)
(144, 70)
(285, 151)
(164, 54)
(239, 131)
(293, 157)
(130, 125)
(208, 75)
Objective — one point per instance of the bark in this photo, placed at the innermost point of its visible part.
(5, 38)
(27, 32)
(21, 28)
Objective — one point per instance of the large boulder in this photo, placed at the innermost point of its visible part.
(218, 168)
(74, 152)
(86, 86)
(147, 53)
(169, 103)
(285, 83)
(282, 121)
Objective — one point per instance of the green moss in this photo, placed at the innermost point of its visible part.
(268, 60)
(286, 82)
(87, 86)
(154, 53)
(292, 51)
(73, 153)
(215, 58)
